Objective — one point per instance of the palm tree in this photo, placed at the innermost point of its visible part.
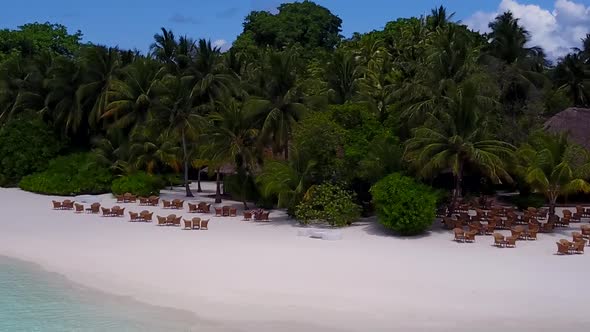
(343, 74)
(149, 150)
(439, 18)
(100, 66)
(175, 111)
(572, 76)
(232, 139)
(457, 138)
(132, 96)
(281, 103)
(288, 180)
(164, 47)
(554, 167)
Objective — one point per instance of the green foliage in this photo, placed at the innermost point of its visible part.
(300, 23)
(404, 205)
(138, 183)
(328, 203)
(524, 202)
(26, 144)
(70, 175)
(318, 138)
(36, 38)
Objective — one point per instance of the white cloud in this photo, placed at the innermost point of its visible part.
(556, 30)
(221, 43)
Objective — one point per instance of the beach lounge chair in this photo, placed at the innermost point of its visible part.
(178, 204)
(204, 207)
(120, 199)
(585, 231)
(225, 211)
(94, 208)
(57, 205)
(120, 212)
(531, 233)
(218, 212)
(130, 198)
(67, 205)
(146, 216)
(489, 228)
(133, 217)
(508, 223)
(166, 204)
(547, 227)
(562, 249)
(144, 201)
(79, 208)
(193, 208)
(247, 215)
(265, 216)
(511, 241)
(470, 236)
(154, 200)
(188, 224)
(162, 221)
(196, 223)
(459, 235)
(499, 240)
(577, 236)
(106, 212)
(518, 232)
(204, 224)
(233, 212)
(578, 247)
(176, 221)
(476, 227)
(170, 219)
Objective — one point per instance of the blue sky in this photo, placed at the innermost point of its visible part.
(132, 23)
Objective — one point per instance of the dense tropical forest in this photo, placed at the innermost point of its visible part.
(294, 115)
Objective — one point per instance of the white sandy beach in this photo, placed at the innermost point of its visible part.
(247, 276)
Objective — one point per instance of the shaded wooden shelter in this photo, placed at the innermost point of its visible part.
(575, 122)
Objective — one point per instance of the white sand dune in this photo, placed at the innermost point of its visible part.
(248, 276)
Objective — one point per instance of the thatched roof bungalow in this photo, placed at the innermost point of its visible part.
(575, 122)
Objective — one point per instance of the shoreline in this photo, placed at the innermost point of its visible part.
(246, 276)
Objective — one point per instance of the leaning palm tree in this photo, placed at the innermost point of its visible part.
(572, 76)
(458, 138)
(554, 167)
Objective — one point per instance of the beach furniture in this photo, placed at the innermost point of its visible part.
(79, 208)
(470, 236)
(120, 198)
(94, 208)
(133, 217)
(154, 200)
(146, 216)
(518, 232)
(106, 212)
(118, 211)
(166, 204)
(162, 221)
(193, 208)
(144, 201)
(448, 222)
(204, 207)
(233, 212)
(459, 234)
(247, 215)
(57, 205)
(499, 240)
(129, 198)
(489, 228)
(577, 236)
(67, 205)
(585, 231)
(176, 221)
(531, 233)
(178, 204)
(218, 212)
(562, 248)
(578, 247)
(547, 227)
(511, 241)
(225, 211)
(204, 224)
(476, 227)
(196, 223)
(188, 224)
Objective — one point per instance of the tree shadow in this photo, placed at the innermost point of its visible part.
(372, 227)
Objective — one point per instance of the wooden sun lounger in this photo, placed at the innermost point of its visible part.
(146, 216)
(57, 205)
(562, 248)
(499, 240)
(470, 236)
(459, 234)
(193, 208)
(79, 208)
(205, 224)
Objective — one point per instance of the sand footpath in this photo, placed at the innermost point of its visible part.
(248, 276)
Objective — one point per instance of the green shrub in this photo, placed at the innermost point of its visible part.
(526, 201)
(26, 144)
(139, 183)
(404, 205)
(70, 175)
(328, 203)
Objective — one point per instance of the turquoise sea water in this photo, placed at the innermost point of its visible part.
(32, 299)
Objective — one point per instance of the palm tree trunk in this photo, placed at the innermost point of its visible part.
(199, 190)
(286, 147)
(458, 189)
(552, 203)
(189, 193)
(218, 188)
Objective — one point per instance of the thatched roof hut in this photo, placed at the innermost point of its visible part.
(574, 121)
